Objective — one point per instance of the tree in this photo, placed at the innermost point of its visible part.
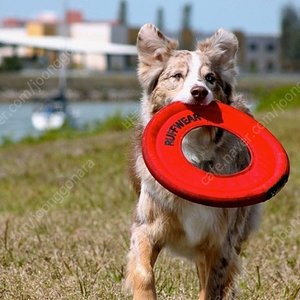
(290, 38)
(187, 36)
(186, 18)
(123, 12)
(160, 21)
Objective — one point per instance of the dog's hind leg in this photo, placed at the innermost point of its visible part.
(142, 257)
(222, 264)
(217, 274)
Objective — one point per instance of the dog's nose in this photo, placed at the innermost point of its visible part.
(199, 92)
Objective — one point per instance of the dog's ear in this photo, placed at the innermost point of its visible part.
(221, 49)
(154, 50)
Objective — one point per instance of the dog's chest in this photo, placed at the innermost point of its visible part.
(200, 223)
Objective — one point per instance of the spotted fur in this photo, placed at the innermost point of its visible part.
(210, 237)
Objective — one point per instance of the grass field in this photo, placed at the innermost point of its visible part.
(65, 212)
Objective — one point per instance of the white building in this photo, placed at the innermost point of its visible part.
(8, 51)
(103, 33)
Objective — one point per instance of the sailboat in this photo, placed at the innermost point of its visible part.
(54, 112)
(51, 114)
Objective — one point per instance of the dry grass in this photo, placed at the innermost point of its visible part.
(64, 218)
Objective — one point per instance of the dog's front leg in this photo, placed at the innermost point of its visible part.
(142, 256)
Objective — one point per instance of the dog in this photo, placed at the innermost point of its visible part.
(210, 237)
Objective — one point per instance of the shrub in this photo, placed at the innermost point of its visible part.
(11, 63)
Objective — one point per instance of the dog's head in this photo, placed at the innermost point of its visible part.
(196, 77)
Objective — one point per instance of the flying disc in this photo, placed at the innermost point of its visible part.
(266, 174)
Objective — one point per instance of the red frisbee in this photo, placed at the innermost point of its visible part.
(266, 174)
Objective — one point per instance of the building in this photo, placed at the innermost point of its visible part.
(39, 28)
(74, 27)
(12, 23)
(257, 53)
(260, 54)
(104, 32)
(10, 51)
(74, 16)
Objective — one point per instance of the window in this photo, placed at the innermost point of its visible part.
(270, 47)
(253, 47)
(270, 66)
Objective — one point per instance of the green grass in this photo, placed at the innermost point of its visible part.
(65, 212)
(114, 122)
(279, 98)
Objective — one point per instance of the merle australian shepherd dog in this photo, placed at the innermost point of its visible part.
(208, 236)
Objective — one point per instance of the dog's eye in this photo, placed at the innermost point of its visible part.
(178, 76)
(210, 78)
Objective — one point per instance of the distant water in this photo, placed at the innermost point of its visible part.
(15, 121)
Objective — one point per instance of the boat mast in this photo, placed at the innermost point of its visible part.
(64, 32)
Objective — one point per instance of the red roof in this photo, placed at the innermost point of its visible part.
(12, 22)
(74, 16)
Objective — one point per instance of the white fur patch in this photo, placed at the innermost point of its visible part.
(198, 221)
(193, 79)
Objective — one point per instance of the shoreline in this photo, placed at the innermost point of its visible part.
(100, 87)
(109, 87)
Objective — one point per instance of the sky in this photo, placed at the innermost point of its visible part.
(250, 16)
